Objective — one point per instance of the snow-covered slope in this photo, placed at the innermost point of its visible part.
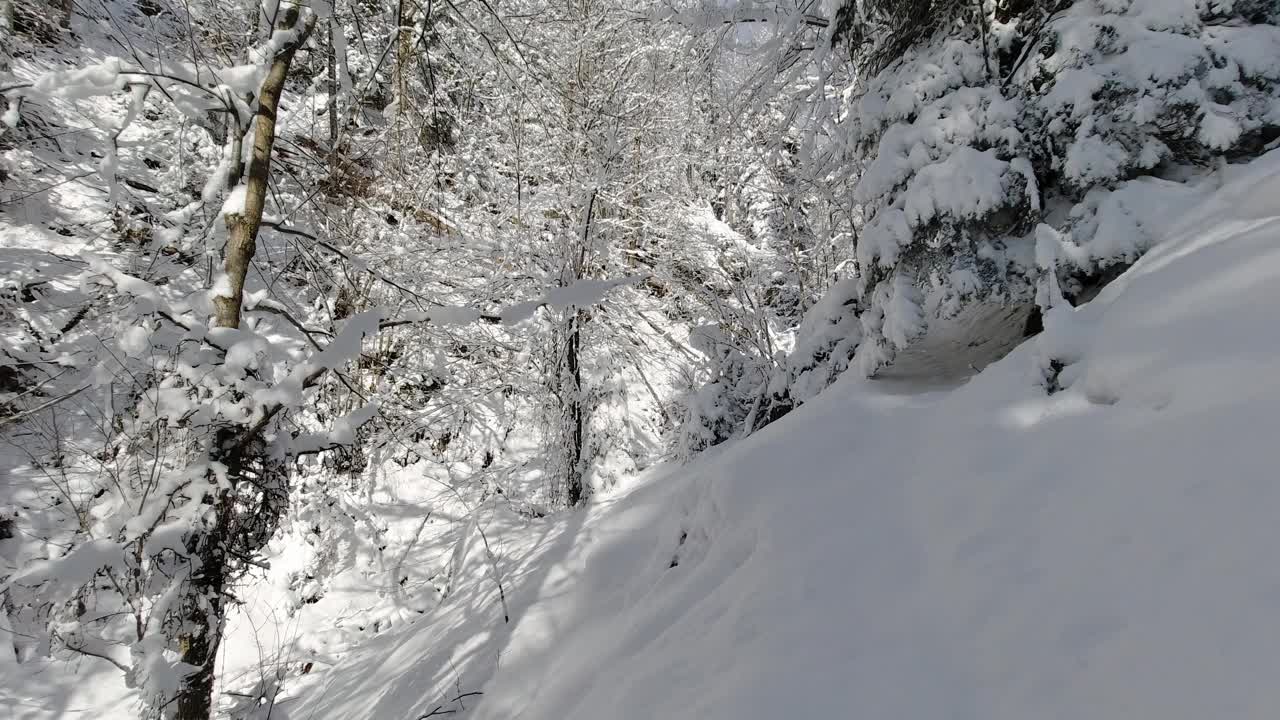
(986, 551)
(890, 549)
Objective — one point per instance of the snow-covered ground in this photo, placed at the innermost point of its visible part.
(988, 551)
(891, 550)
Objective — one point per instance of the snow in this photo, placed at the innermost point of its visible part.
(343, 431)
(967, 184)
(98, 79)
(1254, 48)
(241, 79)
(584, 293)
(1092, 160)
(581, 293)
(1218, 130)
(895, 547)
(960, 174)
(11, 114)
(214, 183)
(904, 319)
(1119, 225)
(891, 550)
(234, 204)
(346, 345)
(135, 341)
(453, 315)
(75, 568)
(445, 315)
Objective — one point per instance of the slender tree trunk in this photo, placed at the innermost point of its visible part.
(242, 227)
(332, 72)
(573, 404)
(574, 417)
(203, 609)
(405, 10)
(203, 606)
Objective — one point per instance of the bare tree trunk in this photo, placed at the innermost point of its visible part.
(405, 10)
(574, 416)
(573, 404)
(242, 227)
(203, 609)
(332, 71)
(203, 605)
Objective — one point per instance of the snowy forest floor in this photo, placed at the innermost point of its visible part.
(983, 551)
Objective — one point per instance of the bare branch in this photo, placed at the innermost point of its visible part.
(44, 406)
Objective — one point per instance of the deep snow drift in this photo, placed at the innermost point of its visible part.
(890, 550)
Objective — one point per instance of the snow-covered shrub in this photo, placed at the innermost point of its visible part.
(826, 342)
(717, 409)
(1144, 87)
(970, 130)
(748, 290)
(947, 188)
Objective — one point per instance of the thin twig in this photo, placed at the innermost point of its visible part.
(43, 406)
(439, 709)
(502, 594)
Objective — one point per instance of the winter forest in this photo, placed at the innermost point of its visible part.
(746, 359)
